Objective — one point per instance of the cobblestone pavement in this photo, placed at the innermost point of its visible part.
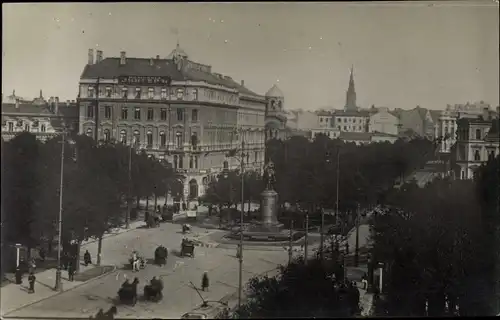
(179, 295)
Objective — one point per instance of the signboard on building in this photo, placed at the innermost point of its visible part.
(144, 80)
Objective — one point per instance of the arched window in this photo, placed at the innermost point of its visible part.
(477, 156)
(149, 137)
(107, 135)
(181, 162)
(89, 132)
(478, 134)
(226, 165)
(123, 136)
(176, 159)
(178, 139)
(193, 189)
(163, 139)
(137, 137)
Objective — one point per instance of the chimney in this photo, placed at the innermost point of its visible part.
(157, 57)
(56, 105)
(98, 57)
(123, 58)
(91, 56)
(151, 62)
(242, 83)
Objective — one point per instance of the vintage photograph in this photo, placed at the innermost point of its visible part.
(201, 160)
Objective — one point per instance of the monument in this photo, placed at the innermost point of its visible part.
(269, 205)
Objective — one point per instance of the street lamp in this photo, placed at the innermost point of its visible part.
(241, 159)
(129, 200)
(58, 285)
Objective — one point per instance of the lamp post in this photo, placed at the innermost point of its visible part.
(129, 200)
(58, 285)
(240, 255)
(356, 249)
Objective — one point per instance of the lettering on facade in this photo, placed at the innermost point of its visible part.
(144, 80)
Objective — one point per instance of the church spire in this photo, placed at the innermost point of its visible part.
(41, 96)
(350, 101)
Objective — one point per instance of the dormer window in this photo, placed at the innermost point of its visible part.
(108, 92)
(137, 93)
(125, 93)
(180, 94)
(151, 93)
(164, 93)
(91, 92)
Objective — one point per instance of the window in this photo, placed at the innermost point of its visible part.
(91, 92)
(42, 128)
(175, 161)
(195, 94)
(149, 137)
(35, 124)
(90, 111)
(339, 127)
(256, 155)
(195, 162)
(27, 127)
(108, 92)
(180, 93)
(107, 112)
(477, 156)
(137, 93)
(178, 139)
(180, 113)
(11, 126)
(191, 162)
(125, 92)
(151, 93)
(194, 115)
(345, 128)
(478, 134)
(163, 139)
(345, 120)
(320, 119)
(359, 128)
(491, 155)
(164, 93)
(226, 165)
(124, 113)
(150, 114)
(137, 114)
(89, 132)
(137, 137)
(163, 114)
(181, 162)
(107, 135)
(194, 140)
(123, 136)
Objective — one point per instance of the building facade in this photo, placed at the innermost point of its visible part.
(177, 110)
(383, 121)
(477, 141)
(44, 119)
(419, 120)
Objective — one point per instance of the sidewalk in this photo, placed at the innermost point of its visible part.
(15, 296)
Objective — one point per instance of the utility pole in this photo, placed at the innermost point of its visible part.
(58, 285)
(240, 280)
(356, 252)
(129, 195)
(322, 238)
(306, 245)
(290, 254)
(337, 191)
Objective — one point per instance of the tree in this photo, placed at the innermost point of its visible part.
(300, 291)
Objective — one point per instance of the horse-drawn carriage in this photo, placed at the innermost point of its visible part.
(128, 292)
(187, 248)
(161, 255)
(153, 291)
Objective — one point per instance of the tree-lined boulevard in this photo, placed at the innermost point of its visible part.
(436, 244)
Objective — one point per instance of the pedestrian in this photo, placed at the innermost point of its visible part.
(86, 258)
(364, 281)
(31, 280)
(204, 281)
(71, 272)
(32, 265)
(41, 253)
(184, 206)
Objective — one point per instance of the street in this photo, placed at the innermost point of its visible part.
(179, 295)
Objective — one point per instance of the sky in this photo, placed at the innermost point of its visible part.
(404, 54)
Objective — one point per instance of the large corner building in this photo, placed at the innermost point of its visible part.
(178, 110)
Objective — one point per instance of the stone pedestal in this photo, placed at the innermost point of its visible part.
(269, 213)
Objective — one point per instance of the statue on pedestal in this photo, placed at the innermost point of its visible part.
(269, 176)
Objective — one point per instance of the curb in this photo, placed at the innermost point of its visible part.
(109, 235)
(6, 316)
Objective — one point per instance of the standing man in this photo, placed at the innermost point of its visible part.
(204, 281)
(31, 280)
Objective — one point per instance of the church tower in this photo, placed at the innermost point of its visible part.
(350, 100)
